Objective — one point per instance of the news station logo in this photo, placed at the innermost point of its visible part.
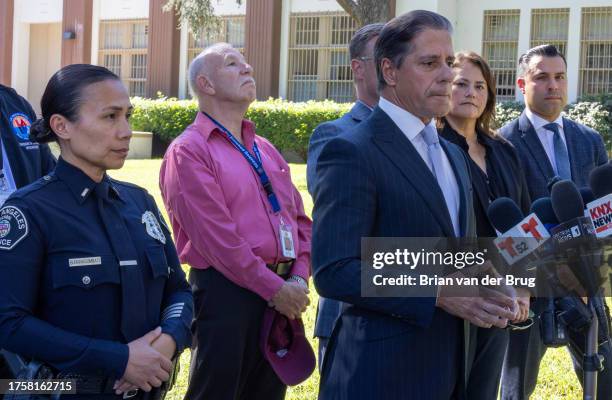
(600, 214)
(522, 240)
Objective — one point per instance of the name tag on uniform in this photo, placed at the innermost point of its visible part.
(286, 239)
(84, 261)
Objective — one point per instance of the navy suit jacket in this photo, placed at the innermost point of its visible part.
(327, 131)
(585, 148)
(329, 309)
(374, 183)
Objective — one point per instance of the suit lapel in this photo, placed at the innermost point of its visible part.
(396, 146)
(534, 146)
(573, 147)
(463, 182)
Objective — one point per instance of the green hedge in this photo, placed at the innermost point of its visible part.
(289, 125)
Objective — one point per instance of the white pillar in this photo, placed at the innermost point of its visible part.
(284, 50)
(573, 53)
(21, 55)
(183, 90)
(523, 42)
(95, 32)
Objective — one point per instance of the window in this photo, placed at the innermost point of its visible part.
(123, 50)
(231, 30)
(596, 51)
(319, 64)
(550, 26)
(500, 47)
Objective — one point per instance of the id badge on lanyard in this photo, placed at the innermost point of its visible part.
(4, 186)
(5, 190)
(284, 229)
(286, 239)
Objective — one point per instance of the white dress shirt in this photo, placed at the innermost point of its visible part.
(412, 126)
(546, 137)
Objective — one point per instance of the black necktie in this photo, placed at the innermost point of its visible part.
(133, 308)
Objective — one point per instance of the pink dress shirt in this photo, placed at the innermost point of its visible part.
(219, 211)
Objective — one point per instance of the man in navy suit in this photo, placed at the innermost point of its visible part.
(548, 145)
(361, 51)
(391, 176)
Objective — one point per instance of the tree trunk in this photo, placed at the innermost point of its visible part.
(368, 11)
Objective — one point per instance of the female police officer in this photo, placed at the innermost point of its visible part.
(90, 282)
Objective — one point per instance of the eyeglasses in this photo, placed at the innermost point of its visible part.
(522, 325)
(365, 58)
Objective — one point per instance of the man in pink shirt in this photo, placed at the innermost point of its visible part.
(239, 223)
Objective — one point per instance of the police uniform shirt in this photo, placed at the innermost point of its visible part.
(7, 183)
(28, 160)
(61, 280)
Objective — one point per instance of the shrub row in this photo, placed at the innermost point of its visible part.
(289, 125)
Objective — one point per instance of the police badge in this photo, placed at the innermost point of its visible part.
(153, 228)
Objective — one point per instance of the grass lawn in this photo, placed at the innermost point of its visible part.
(556, 380)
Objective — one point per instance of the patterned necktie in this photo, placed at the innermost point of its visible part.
(436, 157)
(561, 156)
(133, 307)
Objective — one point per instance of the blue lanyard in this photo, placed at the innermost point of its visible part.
(255, 163)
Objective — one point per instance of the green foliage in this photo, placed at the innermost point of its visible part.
(289, 125)
(166, 118)
(604, 99)
(593, 115)
(506, 112)
(197, 14)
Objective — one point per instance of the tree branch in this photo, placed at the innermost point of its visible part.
(366, 12)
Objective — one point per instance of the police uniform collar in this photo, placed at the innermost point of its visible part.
(79, 184)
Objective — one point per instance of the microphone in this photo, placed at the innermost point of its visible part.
(575, 235)
(600, 180)
(587, 195)
(600, 210)
(551, 182)
(543, 208)
(553, 328)
(520, 236)
(504, 214)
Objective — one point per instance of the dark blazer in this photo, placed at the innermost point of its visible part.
(326, 131)
(329, 310)
(374, 183)
(585, 147)
(505, 166)
(28, 160)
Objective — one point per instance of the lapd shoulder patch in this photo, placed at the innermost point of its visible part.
(13, 227)
(153, 228)
(20, 123)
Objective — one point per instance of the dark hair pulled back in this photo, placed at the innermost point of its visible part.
(63, 95)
